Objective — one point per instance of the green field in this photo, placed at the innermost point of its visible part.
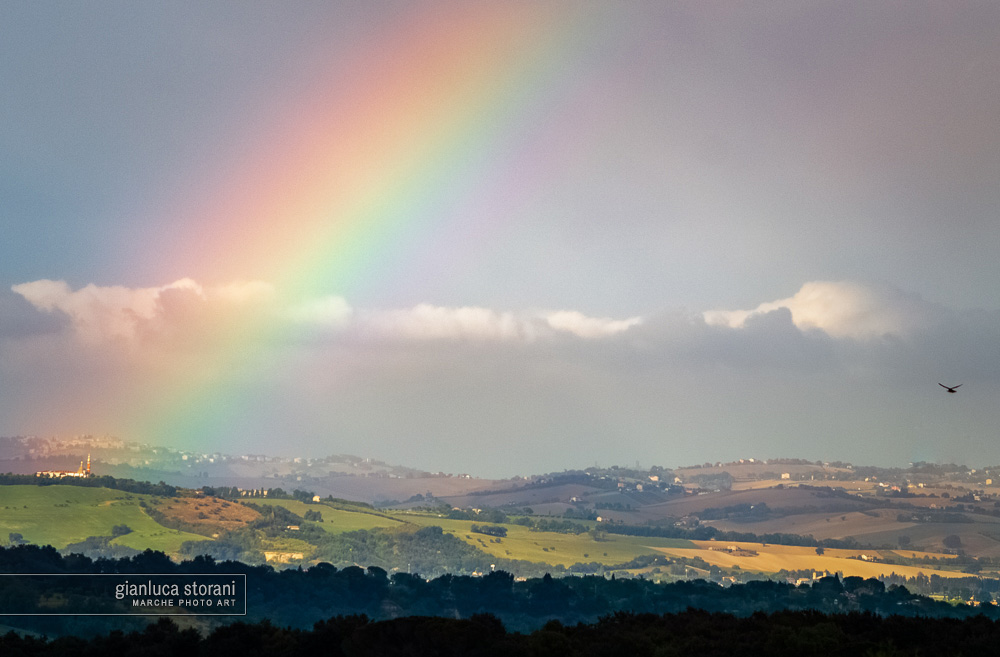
(549, 547)
(521, 543)
(60, 515)
(336, 520)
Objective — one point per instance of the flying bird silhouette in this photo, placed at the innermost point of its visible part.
(950, 388)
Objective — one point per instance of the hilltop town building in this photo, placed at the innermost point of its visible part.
(59, 474)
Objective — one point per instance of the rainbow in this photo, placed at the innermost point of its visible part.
(358, 175)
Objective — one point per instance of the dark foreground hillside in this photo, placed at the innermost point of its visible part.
(56, 606)
(688, 634)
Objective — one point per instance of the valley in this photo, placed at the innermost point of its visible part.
(727, 522)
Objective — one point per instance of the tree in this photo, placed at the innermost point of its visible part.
(303, 495)
(952, 541)
(489, 530)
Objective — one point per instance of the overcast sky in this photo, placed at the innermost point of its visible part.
(504, 238)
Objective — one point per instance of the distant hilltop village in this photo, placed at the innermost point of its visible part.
(129, 459)
(59, 474)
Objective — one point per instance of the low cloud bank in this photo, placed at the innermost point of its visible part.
(835, 370)
(106, 313)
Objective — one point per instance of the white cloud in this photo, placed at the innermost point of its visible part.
(589, 327)
(843, 310)
(427, 322)
(114, 312)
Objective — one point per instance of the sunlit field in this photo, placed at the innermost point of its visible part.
(60, 515)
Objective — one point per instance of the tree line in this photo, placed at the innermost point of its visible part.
(690, 632)
(299, 598)
(103, 481)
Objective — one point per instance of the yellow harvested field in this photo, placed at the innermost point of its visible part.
(853, 486)
(756, 484)
(819, 525)
(772, 558)
(910, 554)
(850, 486)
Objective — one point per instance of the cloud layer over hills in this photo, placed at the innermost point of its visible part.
(837, 370)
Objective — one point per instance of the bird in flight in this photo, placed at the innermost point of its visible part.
(950, 388)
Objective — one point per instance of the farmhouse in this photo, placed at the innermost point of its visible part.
(736, 550)
(283, 557)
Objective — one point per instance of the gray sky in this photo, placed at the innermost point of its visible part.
(504, 239)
